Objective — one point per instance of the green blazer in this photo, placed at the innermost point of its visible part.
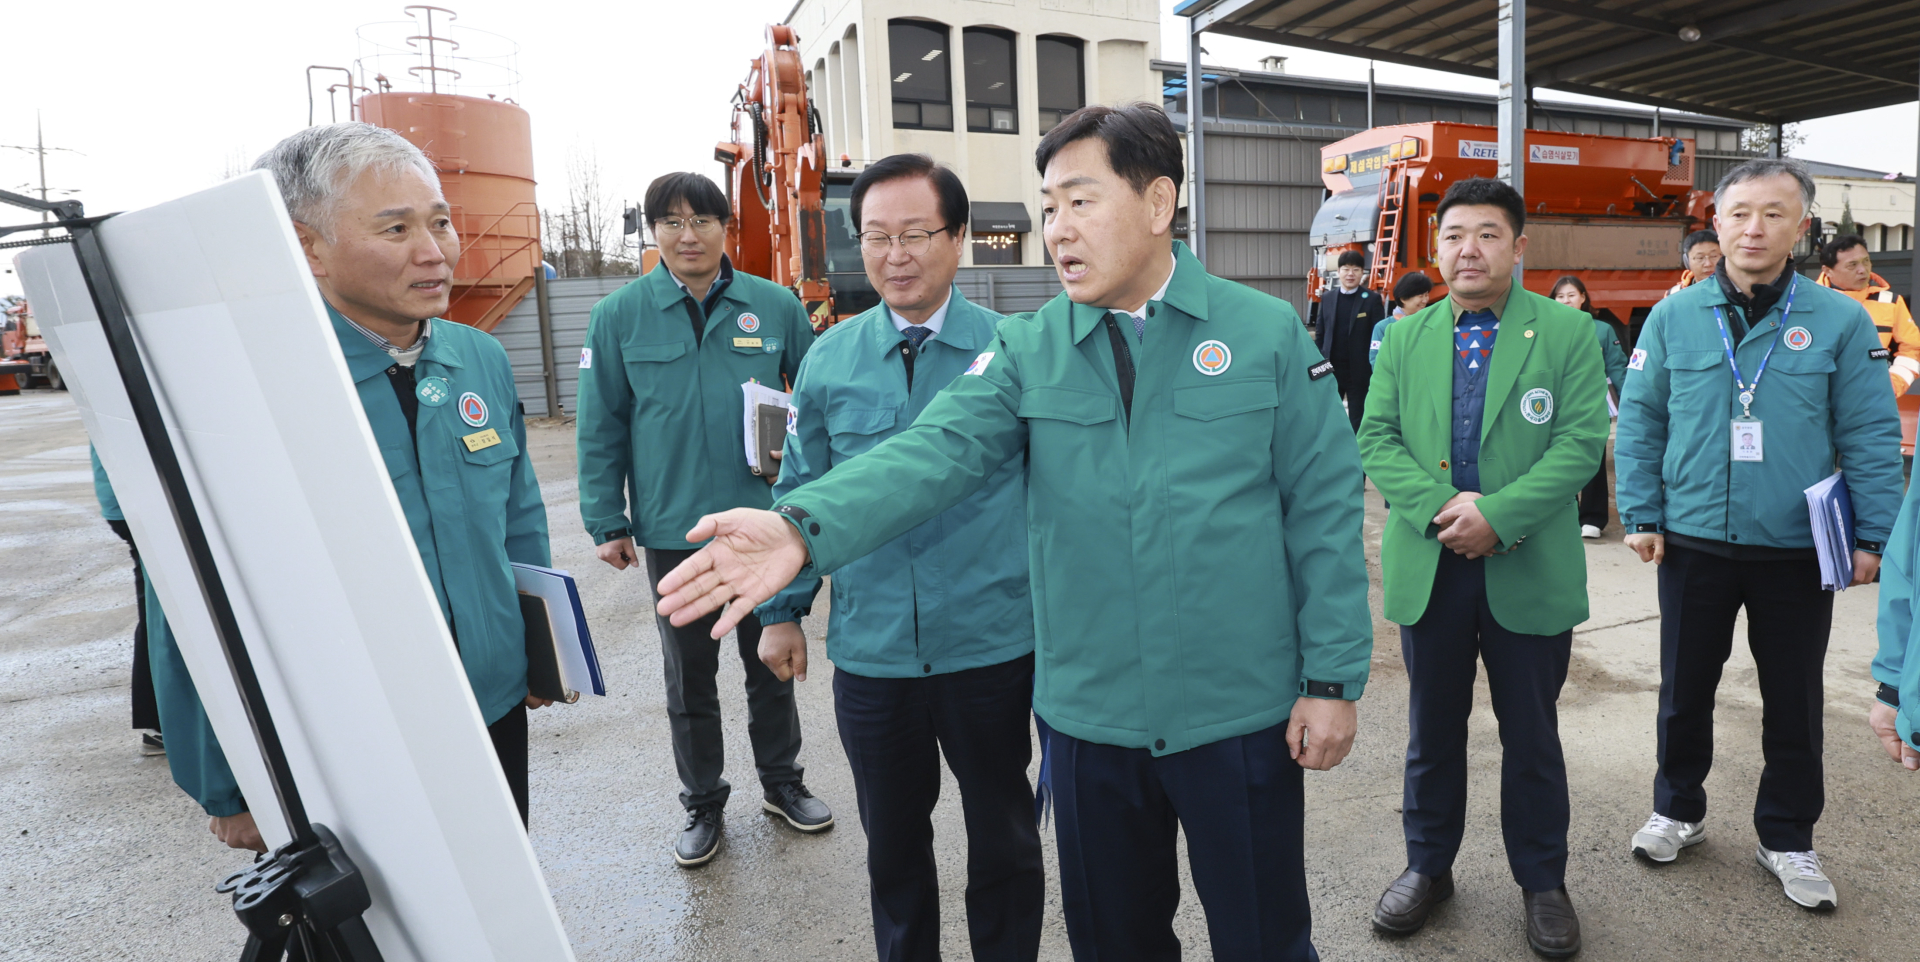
(1542, 438)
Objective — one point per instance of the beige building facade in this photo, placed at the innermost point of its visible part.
(1882, 208)
(974, 84)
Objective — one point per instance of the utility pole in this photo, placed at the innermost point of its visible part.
(39, 150)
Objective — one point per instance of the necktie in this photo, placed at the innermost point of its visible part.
(917, 335)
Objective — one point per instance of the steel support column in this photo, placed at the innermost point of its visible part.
(1512, 111)
(1196, 145)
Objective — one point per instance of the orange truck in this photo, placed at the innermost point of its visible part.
(24, 358)
(1611, 210)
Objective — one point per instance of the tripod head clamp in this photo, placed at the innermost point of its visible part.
(314, 887)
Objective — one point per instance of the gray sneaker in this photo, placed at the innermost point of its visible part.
(1662, 838)
(1800, 874)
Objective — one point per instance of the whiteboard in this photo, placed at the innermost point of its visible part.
(363, 680)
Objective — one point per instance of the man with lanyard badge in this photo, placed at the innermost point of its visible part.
(1742, 392)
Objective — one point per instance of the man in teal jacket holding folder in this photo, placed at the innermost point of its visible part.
(1742, 392)
(932, 634)
(1193, 530)
(440, 400)
(661, 442)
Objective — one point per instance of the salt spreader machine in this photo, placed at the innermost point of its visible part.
(1611, 210)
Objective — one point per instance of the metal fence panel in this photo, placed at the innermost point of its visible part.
(1008, 290)
(570, 301)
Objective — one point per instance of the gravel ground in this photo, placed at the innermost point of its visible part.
(104, 859)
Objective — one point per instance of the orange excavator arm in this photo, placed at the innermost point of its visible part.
(775, 164)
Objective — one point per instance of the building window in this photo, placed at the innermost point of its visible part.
(989, 249)
(1062, 77)
(922, 85)
(990, 81)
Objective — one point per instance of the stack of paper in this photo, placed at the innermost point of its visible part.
(561, 662)
(1831, 511)
(766, 424)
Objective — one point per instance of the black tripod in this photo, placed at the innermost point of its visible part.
(305, 899)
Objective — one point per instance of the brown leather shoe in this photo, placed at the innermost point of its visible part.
(1404, 906)
(1553, 929)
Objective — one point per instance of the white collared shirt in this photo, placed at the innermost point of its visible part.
(1159, 295)
(932, 323)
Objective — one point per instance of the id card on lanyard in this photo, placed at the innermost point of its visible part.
(1746, 435)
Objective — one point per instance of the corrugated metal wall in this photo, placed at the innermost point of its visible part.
(1262, 188)
(571, 301)
(1008, 290)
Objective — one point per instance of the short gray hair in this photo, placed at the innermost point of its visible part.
(314, 165)
(1761, 167)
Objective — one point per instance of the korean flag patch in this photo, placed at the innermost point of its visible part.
(1639, 360)
(586, 358)
(979, 365)
(793, 419)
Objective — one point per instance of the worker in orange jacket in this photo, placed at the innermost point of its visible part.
(1700, 252)
(1848, 268)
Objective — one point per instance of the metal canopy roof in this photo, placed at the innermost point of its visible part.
(1765, 61)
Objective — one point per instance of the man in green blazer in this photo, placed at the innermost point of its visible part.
(1485, 418)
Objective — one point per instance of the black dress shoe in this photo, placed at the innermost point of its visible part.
(1553, 929)
(1404, 906)
(792, 801)
(700, 840)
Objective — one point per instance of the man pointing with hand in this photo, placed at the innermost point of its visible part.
(1193, 526)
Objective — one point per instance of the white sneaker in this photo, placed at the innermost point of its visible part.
(1589, 531)
(1800, 874)
(1662, 838)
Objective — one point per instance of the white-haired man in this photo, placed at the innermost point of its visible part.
(440, 400)
(1742, 392)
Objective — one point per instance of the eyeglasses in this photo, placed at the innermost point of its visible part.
(875, 243)
(676, 225)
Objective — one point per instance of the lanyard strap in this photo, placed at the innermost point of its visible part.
(1726, 340)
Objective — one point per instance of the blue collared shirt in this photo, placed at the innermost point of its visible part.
(1474, 335)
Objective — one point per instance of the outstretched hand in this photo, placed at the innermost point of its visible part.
(750, 556)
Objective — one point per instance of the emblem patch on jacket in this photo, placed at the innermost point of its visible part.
(793, 419)
(1537, 405)
(1211, 358)
(1879, 354)
(433, 391)
(473, 410)
(1797, 338)
(586, 358)
(1639, 360)
(749, 323)
(1319, 370)
(979, 365)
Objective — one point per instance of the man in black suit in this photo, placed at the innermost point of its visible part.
(1348, 313)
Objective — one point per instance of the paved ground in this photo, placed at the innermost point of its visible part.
(102, 858)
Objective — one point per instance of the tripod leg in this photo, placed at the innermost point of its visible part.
(264, 950)
(350, 942)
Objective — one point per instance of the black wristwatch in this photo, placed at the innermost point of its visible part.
(1888, 694)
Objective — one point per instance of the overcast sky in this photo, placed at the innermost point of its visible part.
(171, 96)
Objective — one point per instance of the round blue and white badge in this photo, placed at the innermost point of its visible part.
(1211, 358)
(433, 391)
(1797, 338)
(1537, 405)
(473, 410)
(749, 323)
(771, 345)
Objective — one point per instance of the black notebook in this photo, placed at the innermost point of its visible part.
(543, 660)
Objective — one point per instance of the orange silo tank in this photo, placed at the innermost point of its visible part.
(483, 149)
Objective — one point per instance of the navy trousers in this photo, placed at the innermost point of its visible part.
(1524, 673)
(895, 731)
(1241, 804)
(1788, 620)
